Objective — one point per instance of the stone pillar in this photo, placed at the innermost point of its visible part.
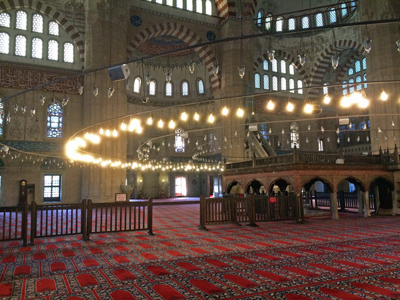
(367, 212)
(377, 200)
(360, 198)
(382, 65)
(105, 45)
(395, 205)
(334, 206)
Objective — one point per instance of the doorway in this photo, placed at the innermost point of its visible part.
(180, 187)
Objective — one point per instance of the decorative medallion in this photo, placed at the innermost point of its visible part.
(210, 36)
(136, 20)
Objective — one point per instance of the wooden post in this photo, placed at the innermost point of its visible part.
(24, 223)
(89, 219)
(150, 216)
(252, 210)
(83, 220)
(33, 222)
(202, 225)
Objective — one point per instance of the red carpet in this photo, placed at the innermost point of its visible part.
(350, 258)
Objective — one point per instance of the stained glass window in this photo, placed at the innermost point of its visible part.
(292, 24)
(266, 82)
(364, 63)
(5, 20)
(200, 86)
(21, 20)
(37, 48)
(185, 88)
(54, 28)
(4, 43)
(265, 65)
(152, 88)
(291, 69)
(179, 3)
(208, 7)
(325, 89)
(170, 2)
(344, 9)
(52, 50)
(319, 20)
(189, 5)
(136, 85)
(68, 52)
(365, 79)
(52, 188)
(299, 86)
(279, 24)
(37, 23)
(344, 86)
(54, 120)
(305, 22)
(257, 81)
(179, 141)
(351, 71)
(168, 89)
(351, 88)
(20, 45)
(357, 66)
(291, 85)
(359, 86)
(283, 84)
(274, 83)
(274, 65)
(268, 21)
(199, 6)
(283, 67)
(294, 135)
(259, 18)
(332, 15)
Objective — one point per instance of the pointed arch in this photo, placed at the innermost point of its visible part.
(187, 36)
(51, 12)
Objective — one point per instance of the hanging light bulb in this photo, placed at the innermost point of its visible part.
(283, 131)
(348, 139)
(309, 127)
(308, 108)
(242, 69)
(42, 99)
(365, 126)
(338, 140)
(327, 99)
(184, 116)
(65, 101)
(337, 130)
(322, 129)
(149, 120)
(393, 123)
(191, 67)
(33, 110)
(240, 112)
(358, 138)
(367, 138)
(80, 90)
(335, 61)
(160, 124)
(115, 133)
(168, 75)
(328, 139)
(23, 108)
(271, 54)
(16, 107)
(215, 68)
(196, 116)
(270, 105)
(225, 111)
(235, 133)
(367, 45)
(211, 118)
(379, 130)
(108, 132)
(302, 58)
(95, 90)
(290, 107)
(384, 96)
(307, 140)
(171, 124)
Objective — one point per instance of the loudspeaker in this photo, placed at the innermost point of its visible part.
(119, 72)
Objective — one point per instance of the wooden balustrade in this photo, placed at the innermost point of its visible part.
(14, 223)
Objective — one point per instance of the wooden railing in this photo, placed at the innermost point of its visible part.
(250, 209)
(14, 223)
(344, 200)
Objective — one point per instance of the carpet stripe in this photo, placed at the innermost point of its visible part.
(376, 289)
(340, 294)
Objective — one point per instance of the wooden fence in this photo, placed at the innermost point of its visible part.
(344, 199)
(249, 209)
(49, 220)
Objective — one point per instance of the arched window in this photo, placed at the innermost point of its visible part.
(54, 28)
(359, 86)
(294, 135)
(189, 5)
(332, 15)
(170, 2)
(168, 89)
(305, 22)
(279, 24)
(68, 52)
(365, 80)
(351, 71)
(37, 48)
(179, 4)
(259, 18)
(351, 88)
(344, 86)
(54, 120)
(37, 23)
(266, 82)
(137, 84)
(291, 69)
(185, 88)
(200, 86)
(299, 86)
(283, 84)
(344, 10)
(291, 85)
(292, 24)
(5, 20)
(159, 1)
(21, 20)
(199, 6)
(265, 65)
(325, 89)
(283, 66)
(268, 22)
(52, 50)
(4, 43)
(257, 81)
(208, 7)
(274, 83)
(357, 66)
(20, 45)
(274, 65)
(179, 141)
(364, 63)
(152, 88)
(319, 20)
(353, 5)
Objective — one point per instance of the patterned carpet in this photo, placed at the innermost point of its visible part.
(350, 258)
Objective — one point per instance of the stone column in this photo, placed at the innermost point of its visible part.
(105, 45)
(360, 199)
(395, 205)
(377, 199)
(334, 206)
(382, 65)
(367, 212)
